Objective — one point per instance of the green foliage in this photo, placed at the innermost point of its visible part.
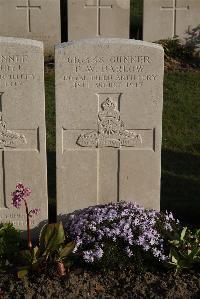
(116, 258)
(185, 249)
(51, 237)
(50, 109)
(176, 50)
(180, 190)
(30, 260)
(52, 250)
(9, 244)
(52, 243)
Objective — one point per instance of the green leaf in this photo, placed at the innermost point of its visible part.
(194, 253)
(197, 234)
(22, 272)
(51, 237)
(197, 259)
(183, 233)
(174, 242)
(26, 255)
(67, 249)
(35, 254)
(57, 237)
(174, 260)
(174, 256)
(45, 235)
(9, 243)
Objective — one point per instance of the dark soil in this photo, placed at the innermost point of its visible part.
(119, 284)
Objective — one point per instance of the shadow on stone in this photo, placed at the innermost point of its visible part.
(35, 232)
(180, 191)
(136, 19)
(64, 29)
(65, 217)
(51, 166)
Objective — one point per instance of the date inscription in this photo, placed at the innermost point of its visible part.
(107, 72)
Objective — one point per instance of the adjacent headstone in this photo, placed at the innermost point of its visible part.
(98, 18)
(169, 18)
(109, 98)
(34, 19)
(22, 128)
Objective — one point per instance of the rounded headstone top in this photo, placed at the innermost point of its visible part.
(21, 41)
(101, 41)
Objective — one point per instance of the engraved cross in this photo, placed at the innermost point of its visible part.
(28, 7)
(174, 10)
(11, 141)
(98, 8)
(110, 140)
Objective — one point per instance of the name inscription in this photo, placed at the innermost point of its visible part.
(107, 72)
(13, 70)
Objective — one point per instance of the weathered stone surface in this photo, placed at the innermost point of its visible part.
(169, 18)
(109, 95)
(98, 18)
(34, 19)
(22, 128)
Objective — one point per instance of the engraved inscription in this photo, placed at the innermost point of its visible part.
(174, 10)
(111, 131)
(98, 9)
(12, 141)
(13, 70)
(28, 8)
(17, 219)
(115, 72)
(8, 138)
(109, 141)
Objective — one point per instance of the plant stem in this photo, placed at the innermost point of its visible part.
(28, 226)
(61, 268)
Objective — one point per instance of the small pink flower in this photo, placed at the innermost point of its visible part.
(19, 195)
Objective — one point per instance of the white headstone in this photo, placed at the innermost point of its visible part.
(34, 19)
(98, 18)
(109, 98)
(169, 18)
(22, 128)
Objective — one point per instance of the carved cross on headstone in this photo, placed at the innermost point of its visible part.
(174, 10)
(109, 140)
(98, 9)
(9, 141)
(28, 7)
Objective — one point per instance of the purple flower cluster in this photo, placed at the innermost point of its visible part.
(122, 221)
(19, 195)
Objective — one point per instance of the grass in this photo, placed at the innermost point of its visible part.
(181, 144)
(50, 111)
